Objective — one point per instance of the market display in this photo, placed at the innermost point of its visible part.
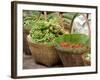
(52, 31)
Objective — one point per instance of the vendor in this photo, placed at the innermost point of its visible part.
(81, 24)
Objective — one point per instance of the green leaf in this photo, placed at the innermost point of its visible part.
(73, 38)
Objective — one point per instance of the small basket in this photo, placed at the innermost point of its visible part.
(87, 62)
(73, 56)
(44, 54)
(70, 60)
(70, 57)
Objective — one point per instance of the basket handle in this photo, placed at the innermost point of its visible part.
(89, 29)
(72, 22)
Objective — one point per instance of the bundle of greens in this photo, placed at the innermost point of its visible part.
(74, 38)
(30, 19)
(45, 31)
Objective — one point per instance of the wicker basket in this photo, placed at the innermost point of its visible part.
(44, 54)
(74, 57)
(70, 59)
(87, 62)
(25, 42)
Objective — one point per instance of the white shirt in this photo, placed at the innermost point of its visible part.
(80, 25)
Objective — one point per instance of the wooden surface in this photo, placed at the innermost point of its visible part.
(29, 63)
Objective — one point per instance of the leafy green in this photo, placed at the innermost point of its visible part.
(45, 32)
(30, 20)
(69, 15)
(73, 38)
(79, 38)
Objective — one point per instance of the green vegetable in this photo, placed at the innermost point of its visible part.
(73, 38)
(30, 19)
(69, 15)
(45, 32)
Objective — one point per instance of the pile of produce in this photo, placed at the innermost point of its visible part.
(44, 31)
(30, 19)
(45, 27)
(73, 43)
(69, 45)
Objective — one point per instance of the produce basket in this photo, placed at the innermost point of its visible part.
(70, 59)
(87, 59)
(71, 51)
(44, 54)
(72, 48)
(28, 21)
(26, 49)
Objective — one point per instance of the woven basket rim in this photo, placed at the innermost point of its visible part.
(72, 50)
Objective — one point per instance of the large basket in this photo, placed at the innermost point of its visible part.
(44, 54)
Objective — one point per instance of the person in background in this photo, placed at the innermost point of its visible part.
(81, 24)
